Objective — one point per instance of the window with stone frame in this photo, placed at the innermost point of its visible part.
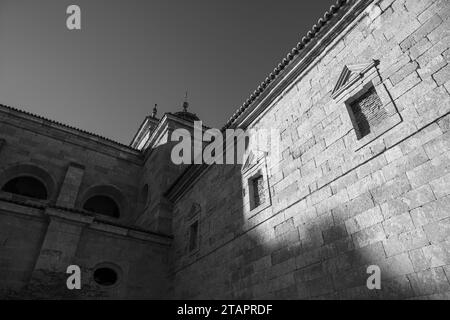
(193, 236)
(366, 112)
(257, 193)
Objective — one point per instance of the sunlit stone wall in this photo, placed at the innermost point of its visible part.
(338, 203)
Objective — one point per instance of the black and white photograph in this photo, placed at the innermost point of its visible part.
(224, 156)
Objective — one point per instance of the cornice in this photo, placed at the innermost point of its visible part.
(82, 217)
(55, 125)
(335, 20)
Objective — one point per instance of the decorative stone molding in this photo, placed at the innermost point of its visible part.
(250, 171)
(194, 224)
(82, 137)
(32, 170)
(110, 191)
(315, 46)
(350, 75)
(355, 81)
(194, 211)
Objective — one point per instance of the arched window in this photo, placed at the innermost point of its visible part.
(26, 186)
(103, 205)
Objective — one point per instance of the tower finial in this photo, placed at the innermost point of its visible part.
(185, 103)
(155, 111)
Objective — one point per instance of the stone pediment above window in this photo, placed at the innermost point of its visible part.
(351, 74)
(371, 110)
(195, 209)
(252, 159)
(249, 161)
(256, 188)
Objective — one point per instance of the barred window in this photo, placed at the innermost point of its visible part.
(258, 191)
(367, 112)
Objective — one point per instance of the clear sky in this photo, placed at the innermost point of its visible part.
(131, 54)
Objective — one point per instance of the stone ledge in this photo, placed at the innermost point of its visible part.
(80, 217)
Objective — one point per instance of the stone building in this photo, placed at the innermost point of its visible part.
(361, 177)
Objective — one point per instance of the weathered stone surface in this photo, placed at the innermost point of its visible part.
(437, 254)
(429, 282)
(418, 197)
(398, 224)
(442, 76)
(369, 235)
(404, 242)
(432, 211)
(391, 189)
(438, 231)
(364, 220)
(418, 260)
(441, 186)
(335, 203)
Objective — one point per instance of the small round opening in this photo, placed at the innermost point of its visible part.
(105, 276)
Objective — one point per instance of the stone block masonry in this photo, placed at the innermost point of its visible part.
(385, 203)
(361, 177)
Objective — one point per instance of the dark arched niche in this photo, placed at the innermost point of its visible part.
(106, 200)
(27, 180)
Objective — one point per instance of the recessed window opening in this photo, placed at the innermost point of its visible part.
(102, 205)
(193, 236)
(257, 191)
(366, 112)
(26, 186)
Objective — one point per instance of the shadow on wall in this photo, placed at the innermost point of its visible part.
(154, 212)
(142, 265)
(295, 254)
(279, 253)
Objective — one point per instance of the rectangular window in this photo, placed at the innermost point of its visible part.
(367, 112)
(193, 236)
(258, 191)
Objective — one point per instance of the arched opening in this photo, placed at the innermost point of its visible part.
(247, 142)
(102, 205)
(26, 186)
(105, 276)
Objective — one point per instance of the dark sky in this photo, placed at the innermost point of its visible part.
(131, 54)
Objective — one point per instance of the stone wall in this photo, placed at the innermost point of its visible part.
(20, 242)
(339, 204)
(43, 144)
(38, 244)
(39, 239)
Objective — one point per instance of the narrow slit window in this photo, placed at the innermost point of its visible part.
(193, 236)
